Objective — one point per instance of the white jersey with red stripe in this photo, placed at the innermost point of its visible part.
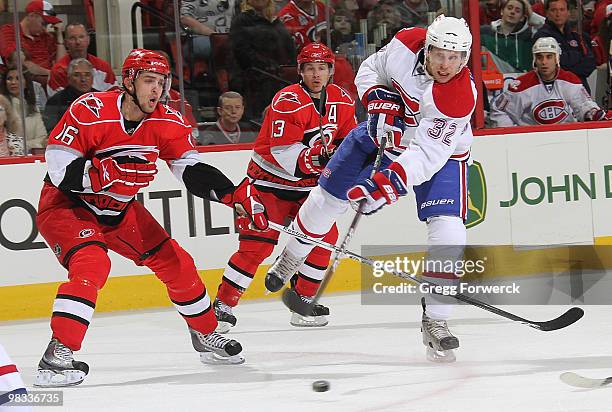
(291, 125)
(11, 385)
(437, 115)
(530, 101)
(94, 126)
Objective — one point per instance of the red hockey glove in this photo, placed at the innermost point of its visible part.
(385, 114)
(249, 207)
(386, 187)
(314, 159)
(126, 170)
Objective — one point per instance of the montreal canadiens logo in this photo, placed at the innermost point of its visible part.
(550, 112)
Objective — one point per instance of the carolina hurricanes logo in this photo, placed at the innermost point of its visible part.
(174, 112)
(93, 104)
(550, 112)
(289, 96)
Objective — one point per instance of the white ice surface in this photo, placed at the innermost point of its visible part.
(372, 356)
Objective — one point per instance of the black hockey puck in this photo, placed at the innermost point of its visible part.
(320, 386)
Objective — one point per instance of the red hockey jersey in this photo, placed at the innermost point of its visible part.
(93, 126)
(292, 125)
(302, 26)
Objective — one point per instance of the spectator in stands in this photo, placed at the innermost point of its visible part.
(385, 12)
(229, 128)
(35, 132)
(577, 56)
(601, 41)
(80, 81)
(414, 12)
(39, 90)
(546, 95)
(600, 14)
(260, 45)
(489, 12)
(11, 140)
(509, 39)
(206, 18)
(342, 32)
(43, 47)
(77, 43)
(304, 19)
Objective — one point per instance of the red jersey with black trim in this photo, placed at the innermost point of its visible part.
(93, 126)
(302, 25)
(292, 125)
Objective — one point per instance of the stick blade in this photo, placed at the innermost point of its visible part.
(569, 317)
(575, 380)
(295, 304)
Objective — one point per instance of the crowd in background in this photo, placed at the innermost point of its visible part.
(261, 40)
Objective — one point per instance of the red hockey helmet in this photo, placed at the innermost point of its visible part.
(144, 60)
(315, 53)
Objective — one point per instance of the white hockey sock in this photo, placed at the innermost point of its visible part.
(315, 219)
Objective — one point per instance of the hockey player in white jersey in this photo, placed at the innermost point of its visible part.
(13, 394)
(546, 95)
(418, 89)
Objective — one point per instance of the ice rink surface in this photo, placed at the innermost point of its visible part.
(372, 356)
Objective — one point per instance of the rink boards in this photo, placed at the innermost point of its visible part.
(552, 187)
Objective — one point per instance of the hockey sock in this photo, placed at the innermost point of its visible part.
(75, 302)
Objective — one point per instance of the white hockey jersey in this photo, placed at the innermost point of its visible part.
(437, 115)
(529, 101)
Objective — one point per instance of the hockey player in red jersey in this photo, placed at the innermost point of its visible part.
(301, 130)
(100, 154)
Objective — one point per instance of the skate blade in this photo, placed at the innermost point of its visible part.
(300, 321)
(223, 327)
(211, 358)
(50, 379)
(440, 356)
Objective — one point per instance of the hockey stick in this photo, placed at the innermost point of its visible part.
(573, 379)
(290, 297)
(570, 316)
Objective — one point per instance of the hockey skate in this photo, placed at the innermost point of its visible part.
(438, 339)
(225, 317)
(318, 314)
(215, 349)
(57, 368)
(282, 270)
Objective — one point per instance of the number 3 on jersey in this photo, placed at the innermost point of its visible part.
(278, 128)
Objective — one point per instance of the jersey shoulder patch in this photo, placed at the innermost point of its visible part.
(336, 93)
(413, 38)
(568, 77)
(455, 98)
(290, 99)
(95, 107)
(524, 82)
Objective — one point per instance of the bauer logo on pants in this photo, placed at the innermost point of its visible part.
(477, 195)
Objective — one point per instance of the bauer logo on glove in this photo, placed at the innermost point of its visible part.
(385, 115)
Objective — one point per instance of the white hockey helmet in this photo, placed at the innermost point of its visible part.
(449, 33)
(546, 45)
